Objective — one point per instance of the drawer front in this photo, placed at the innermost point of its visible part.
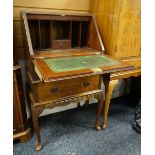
(61, 44)
(53, 90)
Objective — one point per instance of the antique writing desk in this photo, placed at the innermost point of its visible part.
(65, 62)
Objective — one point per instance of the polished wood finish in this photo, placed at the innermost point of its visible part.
(79, 35)
(21, 130)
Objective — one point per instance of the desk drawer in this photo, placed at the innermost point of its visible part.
(52, 90)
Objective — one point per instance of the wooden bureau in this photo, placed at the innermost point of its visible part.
(65, 62)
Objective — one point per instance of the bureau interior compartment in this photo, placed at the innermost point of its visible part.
(76, 33)
(61, 35)
(80, 33)
(44, 33)
(58, 34)
(34, 33)
(39, 33)
(61, 30)
(84, 34)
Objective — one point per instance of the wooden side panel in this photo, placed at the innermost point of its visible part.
(119, 25)
(128, 37)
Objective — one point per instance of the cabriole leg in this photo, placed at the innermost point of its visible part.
(100, 106)
(35, 118)
(109, 86)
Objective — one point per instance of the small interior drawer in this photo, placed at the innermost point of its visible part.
(61, 44)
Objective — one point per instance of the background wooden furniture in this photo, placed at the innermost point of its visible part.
(21, 130)
(110, 83)
(119, 24)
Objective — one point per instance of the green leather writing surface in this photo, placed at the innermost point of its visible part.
(78, 63)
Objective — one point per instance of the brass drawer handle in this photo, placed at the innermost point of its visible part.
(86, 84)
(53, 90)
